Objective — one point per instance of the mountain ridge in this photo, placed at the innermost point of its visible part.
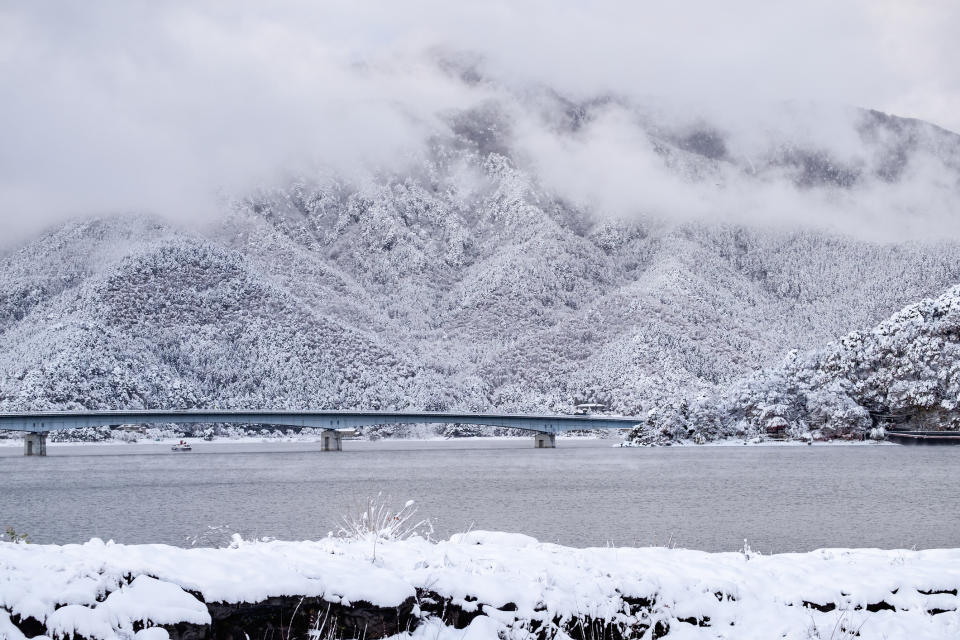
(465, 284)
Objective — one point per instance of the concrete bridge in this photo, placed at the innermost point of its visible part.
(544, 427)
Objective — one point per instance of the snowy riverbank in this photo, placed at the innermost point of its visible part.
(476, 586)
(613, 438)
(762, 442)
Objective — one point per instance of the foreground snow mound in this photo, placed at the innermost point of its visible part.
(477, 585)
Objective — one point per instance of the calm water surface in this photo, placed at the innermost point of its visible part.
(583, 493)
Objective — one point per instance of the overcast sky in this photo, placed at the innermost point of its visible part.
(144, 106)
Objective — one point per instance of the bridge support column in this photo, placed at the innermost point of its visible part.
(545, 441)
(35, 443)
(332, 440)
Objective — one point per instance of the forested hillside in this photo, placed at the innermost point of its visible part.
(469, 282)
(905, 372)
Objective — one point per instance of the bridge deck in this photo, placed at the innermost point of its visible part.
(42, 422)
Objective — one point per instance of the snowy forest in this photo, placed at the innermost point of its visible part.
(470, 280)
(904, 373)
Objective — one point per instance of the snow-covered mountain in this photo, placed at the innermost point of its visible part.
(474, 279)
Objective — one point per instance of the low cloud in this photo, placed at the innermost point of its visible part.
(162, 107)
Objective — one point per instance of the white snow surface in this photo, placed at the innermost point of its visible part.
(99, 590)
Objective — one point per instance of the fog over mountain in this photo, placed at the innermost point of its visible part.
(345, 208)
(168, 108)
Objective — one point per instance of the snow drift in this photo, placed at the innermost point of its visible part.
(476, 585)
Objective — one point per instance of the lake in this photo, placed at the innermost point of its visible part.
(583, 493)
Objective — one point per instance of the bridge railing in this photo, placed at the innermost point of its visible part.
(54, 421)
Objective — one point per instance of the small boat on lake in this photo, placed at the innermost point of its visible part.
(183, 445)
(924, 437)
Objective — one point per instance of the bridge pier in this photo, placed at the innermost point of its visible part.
(332, 440)
(35, 443)
(545, 441)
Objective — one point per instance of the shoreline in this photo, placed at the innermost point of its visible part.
(616, 442)
(734, 442)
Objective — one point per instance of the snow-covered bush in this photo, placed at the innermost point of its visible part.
(377, 521)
